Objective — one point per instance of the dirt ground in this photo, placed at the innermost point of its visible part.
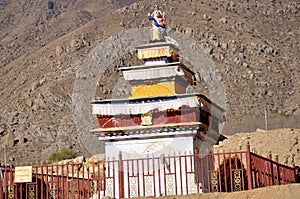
(291, 191)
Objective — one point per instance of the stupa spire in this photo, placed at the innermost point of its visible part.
(158, 21)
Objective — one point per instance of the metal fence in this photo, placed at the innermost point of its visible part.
(266, 172)
(150, 177)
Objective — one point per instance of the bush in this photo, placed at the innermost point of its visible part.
(64, 154)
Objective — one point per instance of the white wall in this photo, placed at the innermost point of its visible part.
(151, 173)
(143, 148)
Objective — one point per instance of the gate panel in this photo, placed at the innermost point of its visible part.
(52, 190)
(111, 178)
(11, 192)
(31, 191)
(237, 180)
(170, 184)
(214, 181)
(133, 186)
(149, 185)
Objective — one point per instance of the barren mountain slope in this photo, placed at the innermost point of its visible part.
(255, 46)
(36, 88)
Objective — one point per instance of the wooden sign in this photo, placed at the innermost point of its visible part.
(23, 174)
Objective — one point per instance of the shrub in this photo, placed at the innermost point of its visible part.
(64, 154)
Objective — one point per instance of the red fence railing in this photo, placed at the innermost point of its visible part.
(150, 177)
(266, 172)
(54, 181)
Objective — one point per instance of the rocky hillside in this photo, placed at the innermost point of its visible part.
(254, 44)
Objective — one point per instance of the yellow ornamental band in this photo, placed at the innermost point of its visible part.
(149, 90)
(146, 54)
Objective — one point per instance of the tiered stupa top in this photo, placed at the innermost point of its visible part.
(159, 101)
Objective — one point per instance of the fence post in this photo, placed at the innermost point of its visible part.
(270, 155)
(276, 159)
(1, 182)
(249, 169)
(121, 176)
(272, 168)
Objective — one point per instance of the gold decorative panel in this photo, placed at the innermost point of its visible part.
(214, 182)
(93, 187)
(146, 118)
(52, 190)
(11, 192)
(31, 191)
(237, 181)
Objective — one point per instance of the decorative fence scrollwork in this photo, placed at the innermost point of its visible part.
(237, 181)
(31, 191)
(11, 192)
(214, 182)
(52, 190)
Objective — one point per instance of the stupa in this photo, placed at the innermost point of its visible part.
(163, 115)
